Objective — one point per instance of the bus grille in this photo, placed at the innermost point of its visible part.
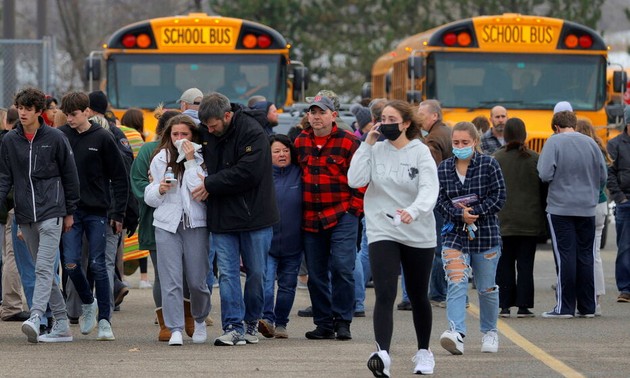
(536, 144)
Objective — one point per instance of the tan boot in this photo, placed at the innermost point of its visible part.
(189, 321)
(165, 333)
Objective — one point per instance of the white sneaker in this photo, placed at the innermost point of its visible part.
(379, 363)
(452, 341)
(144, 285)
(30, 328)
(200, 335)
(176, 339)
(424, 362)
(87, 320)
(60, 333)
(490, 342)
(105, 332)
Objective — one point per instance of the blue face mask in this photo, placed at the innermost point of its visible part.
(463, 153)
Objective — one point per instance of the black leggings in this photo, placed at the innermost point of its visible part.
(386, 258)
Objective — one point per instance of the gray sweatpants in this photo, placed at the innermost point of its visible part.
(184, 251)
(42, 239)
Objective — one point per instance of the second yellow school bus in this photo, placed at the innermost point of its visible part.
(525, 63)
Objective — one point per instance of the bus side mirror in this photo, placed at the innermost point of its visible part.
(619, 81)
(300, 81)
(414, 67)
(414, 97)
(92, 69)
(366, 90)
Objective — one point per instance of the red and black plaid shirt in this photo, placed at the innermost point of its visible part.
(327, 195)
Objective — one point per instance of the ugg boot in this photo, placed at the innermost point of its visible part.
(189, 321)
(165, 333)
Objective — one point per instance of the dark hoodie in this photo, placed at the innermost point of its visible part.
(98, 161)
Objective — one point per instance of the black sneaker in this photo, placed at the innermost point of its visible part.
(523, 312)
(320, 333)
(343, 331)
(505, 313)
(73, 320)
(359, 314)
(306, 313)
(404, 306)
(19, 317)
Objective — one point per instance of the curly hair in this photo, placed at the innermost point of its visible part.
(30, 98)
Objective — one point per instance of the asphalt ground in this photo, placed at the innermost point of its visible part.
(533, 347)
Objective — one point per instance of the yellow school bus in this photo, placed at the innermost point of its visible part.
(154, 61)
(525, 63)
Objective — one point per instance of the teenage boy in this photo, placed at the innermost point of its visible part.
(98, 163)
(37, 161)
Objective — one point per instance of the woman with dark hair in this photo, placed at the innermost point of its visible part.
(522, 221)
(402, 187)
(50, 110)
(134, 118)
(285, 254)
(181, 234)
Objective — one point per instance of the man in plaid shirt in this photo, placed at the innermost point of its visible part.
(330, 221)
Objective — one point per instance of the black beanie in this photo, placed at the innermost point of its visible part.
(98, 102)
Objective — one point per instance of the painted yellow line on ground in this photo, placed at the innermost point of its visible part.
(529, 347)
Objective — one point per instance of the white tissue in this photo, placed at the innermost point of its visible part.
(182, 155)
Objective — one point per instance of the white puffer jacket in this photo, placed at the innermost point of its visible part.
(170, 205)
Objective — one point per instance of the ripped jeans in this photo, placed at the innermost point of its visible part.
(457, 266)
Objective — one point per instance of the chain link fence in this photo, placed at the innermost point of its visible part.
(24, 63)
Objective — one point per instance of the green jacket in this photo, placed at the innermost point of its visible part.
(139, 181)
(523, 213)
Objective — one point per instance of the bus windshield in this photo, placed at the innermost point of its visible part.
(145, 80)
(519, 81)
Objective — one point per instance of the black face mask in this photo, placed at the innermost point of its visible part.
(390, 130)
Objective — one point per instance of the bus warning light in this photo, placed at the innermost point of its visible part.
(249, 41)
(571, 41)
(129, 41)
(450, 39)
(464, 39)
(586, 42)
(143, 41)
(264, 41)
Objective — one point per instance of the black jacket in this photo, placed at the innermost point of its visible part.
(42, 172)
(99, 162)
(619, 171)
(240, 181)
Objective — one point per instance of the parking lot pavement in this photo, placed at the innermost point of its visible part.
(533, 347)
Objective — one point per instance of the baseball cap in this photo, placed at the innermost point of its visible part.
(190, 95)
(562, 106)
(324, 103)
(327, 93)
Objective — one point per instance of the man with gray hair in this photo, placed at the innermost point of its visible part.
(437, 136)
(240, 194)
(189, 103)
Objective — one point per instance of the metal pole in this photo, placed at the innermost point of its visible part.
(8, 32)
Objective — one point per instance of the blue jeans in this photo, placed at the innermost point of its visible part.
(365, 255)
(622, 263)
(285, 269)
(437, 284)
(458, 268)
(359, 284)
(252, 247)
(333, 252)
(211, 254)
(93, 226)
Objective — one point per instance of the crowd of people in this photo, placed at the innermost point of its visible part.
(219, 194)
